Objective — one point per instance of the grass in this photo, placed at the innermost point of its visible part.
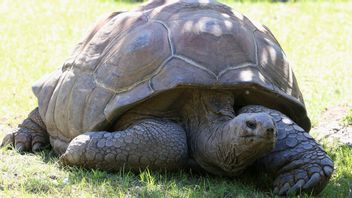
(36, 36)
(347, 120)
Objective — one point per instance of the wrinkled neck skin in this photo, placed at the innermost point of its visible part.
(206, 115)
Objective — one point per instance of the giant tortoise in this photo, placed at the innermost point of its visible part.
(178, 84)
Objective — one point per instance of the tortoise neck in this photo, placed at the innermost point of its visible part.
(205, 114)
(206, 107)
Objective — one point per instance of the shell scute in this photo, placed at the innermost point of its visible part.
(135, 58)
(212, 39)
(132, 57)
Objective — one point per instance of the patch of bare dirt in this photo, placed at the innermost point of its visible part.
(331, 128)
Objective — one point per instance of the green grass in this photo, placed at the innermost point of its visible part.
(37, 35)
(347, 120)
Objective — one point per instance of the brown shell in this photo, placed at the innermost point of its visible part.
(129, 57)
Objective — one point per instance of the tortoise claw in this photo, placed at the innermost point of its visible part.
(276, 190)
(37, 147)
(284, 189)
(328, 170)
(9, 139)
(20, 147)
(310, 178)
(30, 135)
(314, 179)
(296, 187)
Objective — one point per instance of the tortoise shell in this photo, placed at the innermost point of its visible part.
(133, 56)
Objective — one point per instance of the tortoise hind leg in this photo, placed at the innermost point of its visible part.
(31, 135)
(149, 143)
(298, 163)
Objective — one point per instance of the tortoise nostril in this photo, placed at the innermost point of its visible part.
(251, 124)
(270, 131)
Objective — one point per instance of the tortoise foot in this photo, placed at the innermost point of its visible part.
(308, 174)
(31, 135)
(298, 163)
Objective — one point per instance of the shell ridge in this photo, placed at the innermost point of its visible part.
(160, 68)
(235, 67)
(102, 84)
(150, 85)
(195, 64)
(139, 82)
(255, 48)
(246, 64)
(168, 36)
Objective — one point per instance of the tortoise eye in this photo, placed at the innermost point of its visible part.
(251, 124)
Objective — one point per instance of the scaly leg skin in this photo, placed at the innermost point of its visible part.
(150, 143)
(298, 162)
(31, 135)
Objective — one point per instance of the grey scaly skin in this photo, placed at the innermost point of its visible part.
(154, 143)
(221, 142)
(30, 135)
(208, 133)
(298, 162)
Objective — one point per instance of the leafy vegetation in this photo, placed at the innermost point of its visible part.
(37, 35)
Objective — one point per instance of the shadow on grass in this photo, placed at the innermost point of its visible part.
(159, 183)
(165, 184)
(48, 156)
(252, 183)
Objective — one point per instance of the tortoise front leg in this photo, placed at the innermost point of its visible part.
(297, 162)
(31, 135)
(150, 143)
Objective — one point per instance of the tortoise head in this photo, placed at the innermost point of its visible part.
(245, 138)
(238, 143)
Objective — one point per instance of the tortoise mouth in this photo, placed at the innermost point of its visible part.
(236, 162)
(254, 136)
